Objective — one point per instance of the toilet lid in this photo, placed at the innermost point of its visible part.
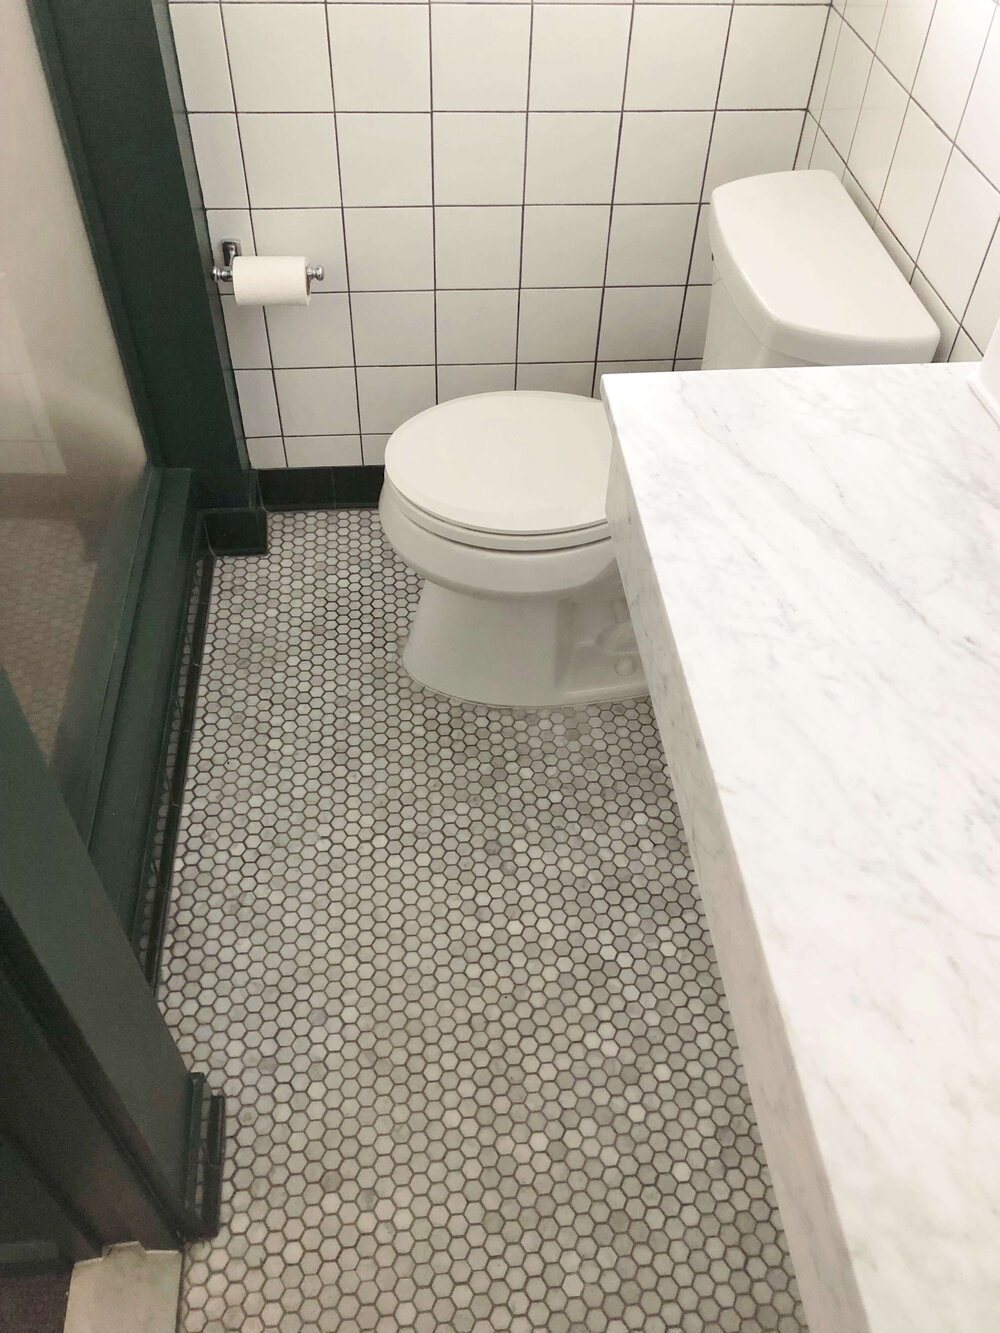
(517, 462)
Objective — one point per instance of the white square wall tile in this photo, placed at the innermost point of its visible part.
(390, 249)
(965, 349)
(246, 334)
(749, 143)
(864, 205)
(278, 57)
(391, 395)
(323, 450)
(571, 157)
(317, 334)
(480, 55)
(967, 207)
(317, 233)
(806, 144)
(939, 312)
(393, 328)
(977, 134)
(291, 160)
(578, 57)
(826, 158)
(865, 17)
(219, 160)
(478, 158)
(381, 59)
(661, 158)
(630, 368)
(914, 178)
(227, 224)
(650, 243)
(901, 36)
(476, 326)
(258, 406)
(201, 55)
(565, 245)
(558, 325)
(877, 131)
(955, 42)
(845, 92)
(983, 312)
(459, 381)
(771, 56)
(676, 57)
(477, 247)
(904, 262)
(385, 159)
(557, 377)
(824, 64)
(266, 451)
(694, 323)
(640, 323)
(701, 260)
(317, 402)
(373, 449)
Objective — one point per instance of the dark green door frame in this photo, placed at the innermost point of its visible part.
(113, 76)
(94, 1097)
(110, 1137)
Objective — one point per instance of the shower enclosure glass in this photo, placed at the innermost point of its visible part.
(73, 470)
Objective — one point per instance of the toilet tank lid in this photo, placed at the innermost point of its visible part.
(809, 275)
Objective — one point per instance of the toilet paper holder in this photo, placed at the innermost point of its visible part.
(232, 248)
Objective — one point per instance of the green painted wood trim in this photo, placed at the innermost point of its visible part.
(32, 1219)
(113, 77)
(133, 772)
(67, 964)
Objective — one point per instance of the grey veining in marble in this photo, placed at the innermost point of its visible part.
(812, 558)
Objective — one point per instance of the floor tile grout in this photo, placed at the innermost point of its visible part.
(450, 966)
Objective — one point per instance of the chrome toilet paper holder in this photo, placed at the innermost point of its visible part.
(232, 248)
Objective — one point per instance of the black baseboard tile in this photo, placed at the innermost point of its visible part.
(321, 487)
(236, 531)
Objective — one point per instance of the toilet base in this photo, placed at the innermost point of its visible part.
(530, 652)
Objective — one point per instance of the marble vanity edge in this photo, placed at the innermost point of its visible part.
(815, 1235)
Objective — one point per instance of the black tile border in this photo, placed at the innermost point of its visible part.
(321, 487)
(159, 874)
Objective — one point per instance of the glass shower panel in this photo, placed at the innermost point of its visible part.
(73, 473)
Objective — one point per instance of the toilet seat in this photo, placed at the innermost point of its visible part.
(486, 540)
(516, 470)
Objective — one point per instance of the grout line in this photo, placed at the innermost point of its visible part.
(253, 236)
(343, 228)
(538, 111)
(430, 93)
(812, 84)
(611, 206)
(953, 150)
(703, 205)
(524, 194)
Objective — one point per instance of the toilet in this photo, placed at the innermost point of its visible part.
(497, 500)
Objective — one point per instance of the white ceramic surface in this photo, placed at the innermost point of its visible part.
(812, 559)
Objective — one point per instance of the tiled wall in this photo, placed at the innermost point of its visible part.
(906, 109)
(500, 193)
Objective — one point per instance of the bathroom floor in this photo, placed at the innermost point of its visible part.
(450, 967)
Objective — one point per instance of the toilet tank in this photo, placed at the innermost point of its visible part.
(800, 279)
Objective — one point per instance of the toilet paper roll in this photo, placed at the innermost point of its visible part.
(274, 280)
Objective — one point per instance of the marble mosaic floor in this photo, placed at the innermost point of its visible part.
(450, 967)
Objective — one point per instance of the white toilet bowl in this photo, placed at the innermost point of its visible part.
(497, 501)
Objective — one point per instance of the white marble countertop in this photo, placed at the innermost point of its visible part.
(812, 558)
